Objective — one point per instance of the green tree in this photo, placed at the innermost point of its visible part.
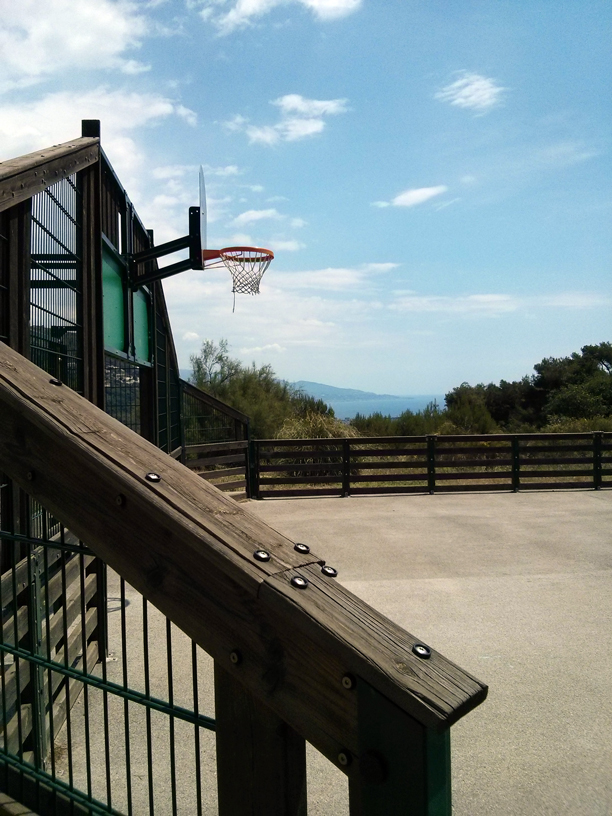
(257, 392)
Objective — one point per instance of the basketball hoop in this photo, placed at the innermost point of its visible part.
(246, 265)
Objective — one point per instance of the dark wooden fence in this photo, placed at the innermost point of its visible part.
(430, 464)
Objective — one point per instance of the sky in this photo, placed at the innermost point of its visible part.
(432, 176)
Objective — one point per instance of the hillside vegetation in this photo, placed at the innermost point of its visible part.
(570, 394)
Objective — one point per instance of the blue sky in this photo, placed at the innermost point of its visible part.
(433, 177)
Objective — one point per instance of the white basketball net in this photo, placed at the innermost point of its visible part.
(246, 266)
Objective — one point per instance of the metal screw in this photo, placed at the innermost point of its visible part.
(301, 548)
(348, 681)
(235, 658)
(261, 555)
(153, 477)
(422, 651)
(120, 500)
(344, 758)
(30, 476)
(55, 381)
(299, 582)
(329, 571)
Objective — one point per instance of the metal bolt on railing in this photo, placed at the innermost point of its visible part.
(299, 582)
(301, 548)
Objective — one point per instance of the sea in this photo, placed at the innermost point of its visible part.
(387, 406)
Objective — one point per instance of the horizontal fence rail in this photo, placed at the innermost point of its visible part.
(224, 465)
(430, 464)
(297, 656)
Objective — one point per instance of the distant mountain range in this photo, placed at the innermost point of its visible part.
(329, 393)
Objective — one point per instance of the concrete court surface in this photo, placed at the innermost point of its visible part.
(516, 589)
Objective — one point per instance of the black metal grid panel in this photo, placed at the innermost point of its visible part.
(122, 391)
(56, 323)
(4, 271)
(205, 424)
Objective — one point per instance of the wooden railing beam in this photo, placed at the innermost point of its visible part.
(190, 550)
(23, 177)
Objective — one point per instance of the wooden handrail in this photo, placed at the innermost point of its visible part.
(213, 402)
(191, 551)
(23, 177)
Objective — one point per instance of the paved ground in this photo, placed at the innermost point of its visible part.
(515, 588)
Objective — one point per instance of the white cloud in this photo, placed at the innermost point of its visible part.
(472, 91)
(486, 305)
(490, 305)
(243, 12)
(287, 246)
(56, 117)
(298, 223)
(333, 278)
(250, 216)
(294, 103)
(412, 197)
(190, 336)
(275, 347)
(40, 39)
(300, 118)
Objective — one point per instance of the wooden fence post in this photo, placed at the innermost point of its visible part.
(597, 443)
(346, 467)
(403, 767)
(516, 464)
(261, 761)
(431, 464)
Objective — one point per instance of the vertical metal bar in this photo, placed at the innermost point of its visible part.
(516, 464)
(66, 680)
(17, 659)
(37, 671)
(147, 682)
(431, 464)
(171, 716)
(126, 709)
(85, 690)
(107, 760)
(49, 646)
(196, 727)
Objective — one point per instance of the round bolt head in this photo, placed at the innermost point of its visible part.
(153, 477)
(422, 651)
(329, 571)
(348, 681)
(344, 758)
(120, 500)
(301, 548)
(261, 555)
(30, 475)
(299, 582)
(55, 381)
(235, 658)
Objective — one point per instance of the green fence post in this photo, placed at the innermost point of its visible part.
(597, 446)
(403, 768)
(431, 464)
(516, 464)
(37, 672)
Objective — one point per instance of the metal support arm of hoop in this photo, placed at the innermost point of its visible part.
(192, 242)
(245, 264)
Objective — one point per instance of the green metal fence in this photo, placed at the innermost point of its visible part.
(100, 695)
